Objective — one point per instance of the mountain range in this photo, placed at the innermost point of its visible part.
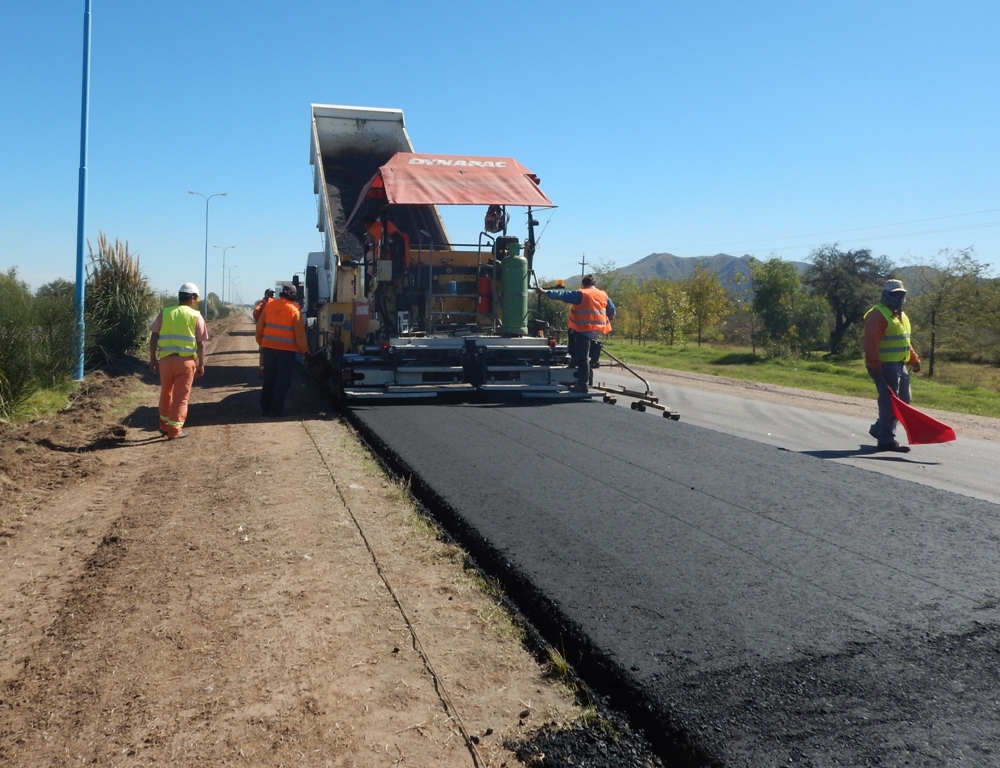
(671, 267)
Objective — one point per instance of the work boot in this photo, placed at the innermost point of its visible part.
(893, 446)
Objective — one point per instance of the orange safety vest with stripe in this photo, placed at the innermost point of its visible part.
(280, 318)
(178, 332)
(259, 307)
(590, 314)
(894, 347)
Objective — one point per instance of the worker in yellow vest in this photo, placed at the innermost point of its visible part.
(590, 319)
(281, 333)
(177, 352)
(888, 352)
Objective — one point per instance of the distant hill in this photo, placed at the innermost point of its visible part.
(671, 267)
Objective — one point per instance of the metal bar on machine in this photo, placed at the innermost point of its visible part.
(623, 365)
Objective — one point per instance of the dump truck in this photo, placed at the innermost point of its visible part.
(395, 309)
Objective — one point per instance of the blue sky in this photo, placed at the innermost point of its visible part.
(692, 128)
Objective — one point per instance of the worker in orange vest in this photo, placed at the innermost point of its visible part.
(281, 333)
(259, 306)
(398, 242)
(590, 319)
(257, 309)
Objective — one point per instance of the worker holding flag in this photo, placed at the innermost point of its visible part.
(888, 352)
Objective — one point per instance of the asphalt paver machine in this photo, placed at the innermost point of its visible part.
(395, 308)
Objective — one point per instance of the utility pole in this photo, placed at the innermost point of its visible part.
(81, 214)
(583, 265)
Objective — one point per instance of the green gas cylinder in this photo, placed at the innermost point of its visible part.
(514, 292)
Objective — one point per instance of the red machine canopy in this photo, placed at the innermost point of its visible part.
(412, 179)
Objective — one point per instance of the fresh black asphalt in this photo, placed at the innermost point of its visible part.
(750, 606)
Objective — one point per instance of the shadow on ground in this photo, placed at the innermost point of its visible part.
(866, 452)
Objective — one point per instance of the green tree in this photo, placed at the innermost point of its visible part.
(793, 321)
(17, 381)
(742, 323)
(850, 281)
(54, 316)
(673, 312)
(946, 292)
(636, 310)
(708, 301)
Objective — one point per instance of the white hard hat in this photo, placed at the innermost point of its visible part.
(891, 286)
(190, 289)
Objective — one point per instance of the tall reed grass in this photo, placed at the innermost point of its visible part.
(119, 302)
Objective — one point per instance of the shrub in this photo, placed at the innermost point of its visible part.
(16, 376)
(55, 333)
(119, 302)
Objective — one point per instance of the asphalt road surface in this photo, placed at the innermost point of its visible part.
(749, 601)
(967, 466)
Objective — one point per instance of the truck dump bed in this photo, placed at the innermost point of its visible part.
(348, 146)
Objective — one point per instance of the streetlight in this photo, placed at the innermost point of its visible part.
(231, 281)
(224, 270)
(204, 287)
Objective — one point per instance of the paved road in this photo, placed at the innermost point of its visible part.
(967, 466)
(757, 606)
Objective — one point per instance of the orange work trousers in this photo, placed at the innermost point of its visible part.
(176, 380)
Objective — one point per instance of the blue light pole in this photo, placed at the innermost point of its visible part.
(204, 287)
(81, 215)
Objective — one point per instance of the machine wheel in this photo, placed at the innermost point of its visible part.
(675, 416)
(641, 407)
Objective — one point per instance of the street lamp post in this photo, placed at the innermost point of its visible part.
(231, 282)
(204, 287)
(223, 299)
(81, 212)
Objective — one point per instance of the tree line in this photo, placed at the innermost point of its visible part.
(39, 335)
(952, 301)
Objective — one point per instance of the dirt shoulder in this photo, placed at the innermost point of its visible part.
(258, 594)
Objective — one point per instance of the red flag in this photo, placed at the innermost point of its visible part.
(920, 428)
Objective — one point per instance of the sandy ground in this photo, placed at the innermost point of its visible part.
(258, 594)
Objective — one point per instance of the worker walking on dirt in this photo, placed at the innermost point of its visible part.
(177, 351)
(887, 348)
(590, 319)
(281, 333)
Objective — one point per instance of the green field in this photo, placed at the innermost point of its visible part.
(957, 387)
